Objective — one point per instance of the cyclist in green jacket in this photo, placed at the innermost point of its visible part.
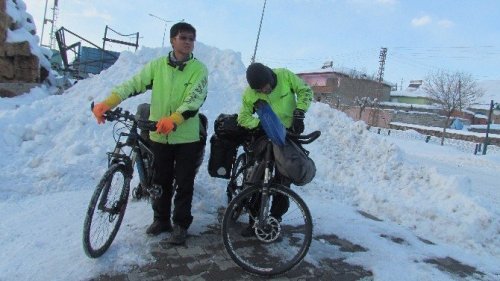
(289, 97)
(179, 88)
(287, 94)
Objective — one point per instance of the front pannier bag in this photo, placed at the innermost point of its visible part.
(292, 162)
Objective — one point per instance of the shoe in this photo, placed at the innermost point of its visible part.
(179, 236)
(248, 231)
(158, 227)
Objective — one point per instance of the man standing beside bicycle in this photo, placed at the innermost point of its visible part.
(289, 97)
(179, 88)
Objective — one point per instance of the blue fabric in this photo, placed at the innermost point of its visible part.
(271, 124)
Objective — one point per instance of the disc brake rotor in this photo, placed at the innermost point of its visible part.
(270, 231)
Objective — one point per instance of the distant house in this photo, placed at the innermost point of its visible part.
(341, 86)
(415, 99)
(413, 94)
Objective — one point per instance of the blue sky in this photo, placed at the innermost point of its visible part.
(421, 36)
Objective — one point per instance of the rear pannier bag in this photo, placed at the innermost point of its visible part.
(293, 162)
(222, 157)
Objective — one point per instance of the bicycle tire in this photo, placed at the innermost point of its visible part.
(278, 255)
(236, 186)
(102, 223)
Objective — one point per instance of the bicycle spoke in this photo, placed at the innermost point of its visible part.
(106, 211)
(275, 246)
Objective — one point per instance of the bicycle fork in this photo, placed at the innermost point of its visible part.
(264, 200)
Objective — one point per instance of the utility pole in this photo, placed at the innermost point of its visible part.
(52, 21)
(380, 79)
(486, 141)
(258, 33)
(382, 56)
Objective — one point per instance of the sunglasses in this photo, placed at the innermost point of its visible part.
(186, 38)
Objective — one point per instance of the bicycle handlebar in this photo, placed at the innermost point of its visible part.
(118, 113)
(304, 139)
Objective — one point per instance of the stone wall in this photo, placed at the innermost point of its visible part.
(373, 117)
(350, 88)
(383, 117)
(421, 118)
(17, 63)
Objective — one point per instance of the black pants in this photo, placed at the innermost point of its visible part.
(280, 202)
(179, 162)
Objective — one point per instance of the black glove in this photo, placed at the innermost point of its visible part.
(258, 104)
(298, 121)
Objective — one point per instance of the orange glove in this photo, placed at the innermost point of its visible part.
(99, 110)
(168, 124)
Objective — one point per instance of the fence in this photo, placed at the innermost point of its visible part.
(462, 145)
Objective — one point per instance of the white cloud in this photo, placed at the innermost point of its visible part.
(446, 23)
(421, 21)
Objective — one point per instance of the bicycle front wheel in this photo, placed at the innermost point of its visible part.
(272, 247)
(106, 210)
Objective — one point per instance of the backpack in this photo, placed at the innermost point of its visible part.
(293, 162)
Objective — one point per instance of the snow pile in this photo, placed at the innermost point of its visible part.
(52, 147)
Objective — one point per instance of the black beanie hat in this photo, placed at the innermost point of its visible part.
(258, 75)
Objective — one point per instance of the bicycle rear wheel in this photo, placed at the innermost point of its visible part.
(275, 246)
(106, 210)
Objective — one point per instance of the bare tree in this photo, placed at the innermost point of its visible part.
(374, 113)
(452, 91)
(363, 102)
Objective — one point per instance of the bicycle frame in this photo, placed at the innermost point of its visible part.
(140, 151)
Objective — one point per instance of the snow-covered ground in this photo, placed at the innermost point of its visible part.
(53, 154)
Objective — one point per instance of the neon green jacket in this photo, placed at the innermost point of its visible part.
(290, 93)
(173, 90)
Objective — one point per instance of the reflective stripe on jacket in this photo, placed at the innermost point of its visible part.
(173, 90)
(291, 92)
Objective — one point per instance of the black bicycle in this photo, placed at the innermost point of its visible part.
(109, 201)
(278, 242)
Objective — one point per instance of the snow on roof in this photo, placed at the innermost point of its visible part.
(410, 92)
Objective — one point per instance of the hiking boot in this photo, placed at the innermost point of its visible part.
(178, 237)
(158, 227)
(248, 231)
